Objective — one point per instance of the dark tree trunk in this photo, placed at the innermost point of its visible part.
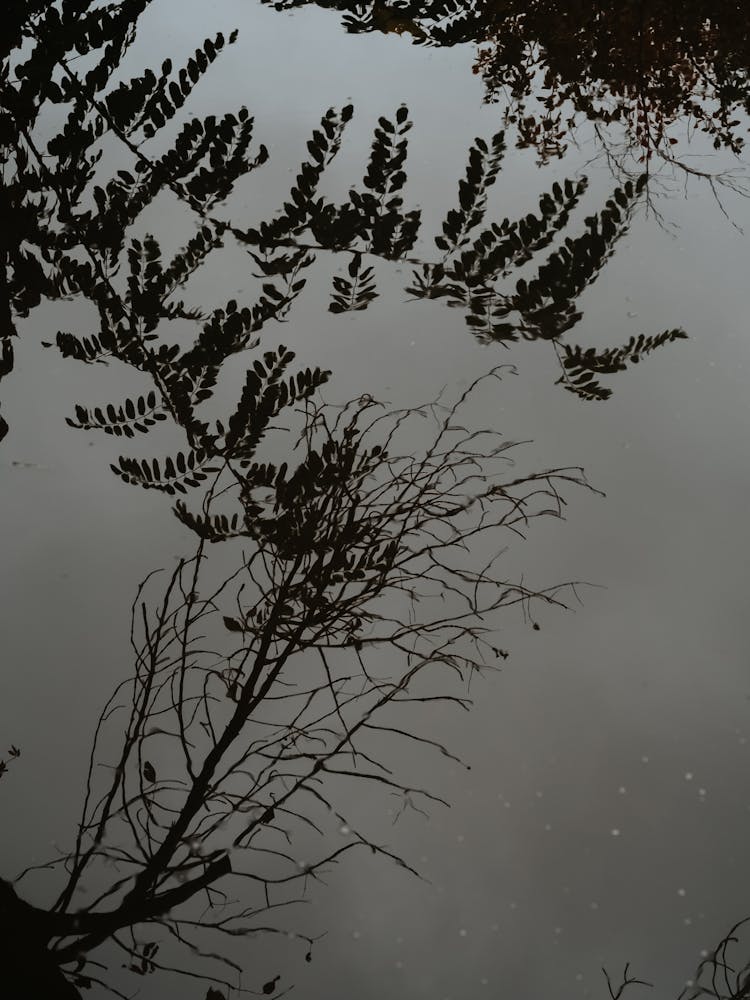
(28, 971)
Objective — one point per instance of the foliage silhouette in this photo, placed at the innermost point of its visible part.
(638, 67)
(472, 262)
(73, 226)
(348, 548)
(581, 366)
(257, 699)
(345, 551)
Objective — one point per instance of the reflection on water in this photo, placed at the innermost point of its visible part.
(643, 66)
(348, 566)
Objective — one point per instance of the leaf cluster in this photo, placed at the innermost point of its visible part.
(581, 367)
(355, 293)
(557, 63)
(123, 421)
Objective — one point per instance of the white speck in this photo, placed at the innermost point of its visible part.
(507, 805)
(539, 795)
(701, 792)
(460, 838)
(558, 930)
(681, 892)
(687, 921)
(356, 935)
(594, 905)
(689, 982)
(704, 952)
(644, 759)
(547, 826)
(463, 932)
(615, 832)
(622, 790)
(484, 981)
(688, 775)
(579, 977)
(344, 830)
(514, 905)
(399, 964)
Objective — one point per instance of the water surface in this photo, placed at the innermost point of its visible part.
(604, 818)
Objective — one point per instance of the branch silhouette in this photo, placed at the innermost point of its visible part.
(255, 702)
(61, 248)
(642, 73)
(256, 694)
